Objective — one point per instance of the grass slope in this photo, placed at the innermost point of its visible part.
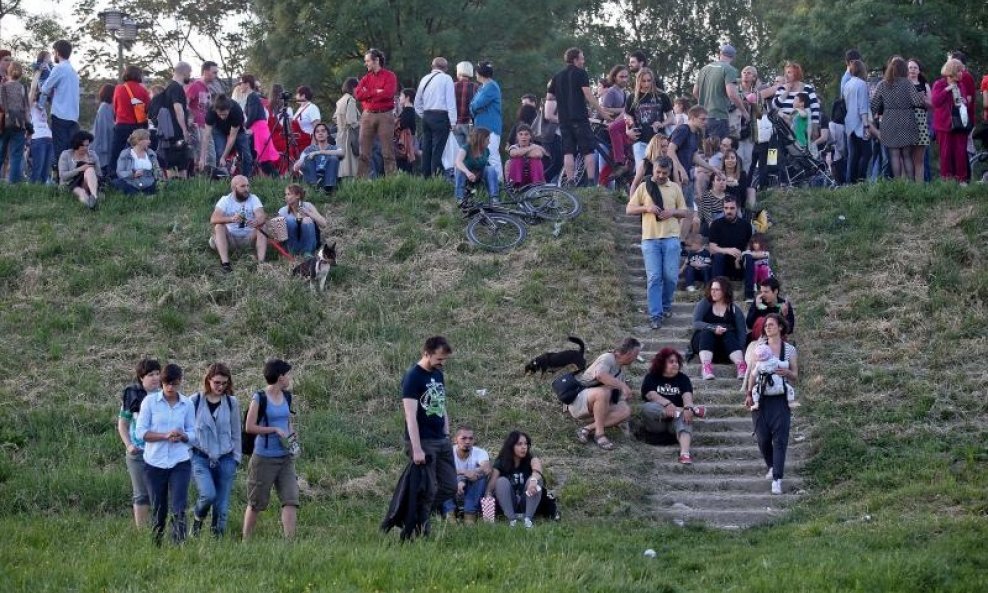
(891, 306)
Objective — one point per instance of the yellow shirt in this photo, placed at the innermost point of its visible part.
(672, 199)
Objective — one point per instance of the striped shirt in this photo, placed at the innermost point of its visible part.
(464, 91)
(783, 101)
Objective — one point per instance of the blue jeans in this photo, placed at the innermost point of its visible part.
(724, 265)
(661, 272)
(300, 240)
(62, 131)
(13, 142)
(42, 152)
(321, 170)
(858, 157)
(214, 485)
(169, 495)
(241, 145)
(489, 176)
(472, 494)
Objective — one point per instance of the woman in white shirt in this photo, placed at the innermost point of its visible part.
(138, 170)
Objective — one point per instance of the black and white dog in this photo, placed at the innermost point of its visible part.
(551, 361)
(316, 268)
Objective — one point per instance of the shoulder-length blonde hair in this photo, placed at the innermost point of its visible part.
(217, 369)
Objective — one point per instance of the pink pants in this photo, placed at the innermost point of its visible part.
(263, 143)
(953, 155)
(516, 171)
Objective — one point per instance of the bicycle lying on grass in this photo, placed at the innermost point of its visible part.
(502, 225)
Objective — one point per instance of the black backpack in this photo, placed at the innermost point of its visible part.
(197, 397)
(247, 439)
(566, 387)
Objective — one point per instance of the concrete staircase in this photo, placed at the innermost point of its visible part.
(725, 487)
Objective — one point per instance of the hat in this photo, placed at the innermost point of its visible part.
(728, 50)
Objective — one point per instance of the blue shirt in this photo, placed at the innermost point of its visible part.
(486, 107)
(855, 93)
(269, 445)
(158, 416)
(62, 89)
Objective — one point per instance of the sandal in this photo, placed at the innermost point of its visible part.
(583, 435)
(604, 443)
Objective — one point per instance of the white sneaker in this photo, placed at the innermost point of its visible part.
(528, 523)
(776, 486)
(768, 476)
(691, 288)
(514, 522)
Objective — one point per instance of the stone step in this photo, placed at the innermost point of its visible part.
(728, 483)
(730, 519)
(706, 450)
(705, 466)
(698, 500)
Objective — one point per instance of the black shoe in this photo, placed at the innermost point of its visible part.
(196, 527)
(226, 267)
(667, 315)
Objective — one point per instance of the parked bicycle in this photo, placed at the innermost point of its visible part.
(502, 225)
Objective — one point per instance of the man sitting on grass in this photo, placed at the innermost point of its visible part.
(237, 220)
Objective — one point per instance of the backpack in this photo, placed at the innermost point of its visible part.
(197, 397)
(247, 439)
(838, 111)
(15, 115)
(566, 387)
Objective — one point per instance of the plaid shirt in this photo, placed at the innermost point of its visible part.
(464, 91)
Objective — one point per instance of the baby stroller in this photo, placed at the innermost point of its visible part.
(978, 162)
(796, 166)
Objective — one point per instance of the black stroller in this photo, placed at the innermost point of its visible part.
(795, 166)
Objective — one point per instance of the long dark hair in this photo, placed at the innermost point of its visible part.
(506, 458)
(658, 365)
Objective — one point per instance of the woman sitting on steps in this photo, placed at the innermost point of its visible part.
(720, 327)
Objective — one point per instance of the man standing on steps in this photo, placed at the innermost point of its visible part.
(660, 204)
(423, 393)
(768, 301)
(729, 238)
(604, 398)
(716, 89)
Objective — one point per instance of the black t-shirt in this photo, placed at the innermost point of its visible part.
(740, 190)
(406, 119)
(518, 476)
(212, 406)
(650, 108)
(670, 388)
(687, 143)
(428, 389)
(132, 397)
(567, 86)
(727, 234)
(235, 119)
(174, 93)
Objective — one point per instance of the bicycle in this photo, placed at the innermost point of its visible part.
(502, 225)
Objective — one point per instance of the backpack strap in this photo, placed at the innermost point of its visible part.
(196, 398)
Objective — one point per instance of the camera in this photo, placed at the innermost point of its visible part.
(286, 96)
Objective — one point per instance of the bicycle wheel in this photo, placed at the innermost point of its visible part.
(551, 202)
(495, 232)
(978, 165)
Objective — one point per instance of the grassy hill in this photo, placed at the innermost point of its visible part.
(891, 305)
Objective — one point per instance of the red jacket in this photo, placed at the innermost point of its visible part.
(376, 91)
(943, 103)
(123, 110)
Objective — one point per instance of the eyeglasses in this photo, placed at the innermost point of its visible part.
(173, 383)
(219, 382)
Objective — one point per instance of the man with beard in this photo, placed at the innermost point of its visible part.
(473, 465)
(376, 92)
(423, 393)
(236, 221)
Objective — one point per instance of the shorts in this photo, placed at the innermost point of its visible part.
(577, 135)
(234, 242)
(655, 420)
(264, 472)
(139, 485)
(580, 409)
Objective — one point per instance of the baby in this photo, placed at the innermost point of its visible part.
(765, 379)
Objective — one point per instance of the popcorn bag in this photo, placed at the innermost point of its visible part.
(487, 508)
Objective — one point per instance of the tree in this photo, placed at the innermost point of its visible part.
(45, 30)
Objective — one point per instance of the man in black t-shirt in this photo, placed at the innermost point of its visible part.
(225, 125)
(571, 89)
(423, 393)
(175, 150)
(729, 238)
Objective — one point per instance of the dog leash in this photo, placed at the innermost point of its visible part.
(277, 245)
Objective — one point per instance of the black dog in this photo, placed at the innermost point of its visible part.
(551, 361)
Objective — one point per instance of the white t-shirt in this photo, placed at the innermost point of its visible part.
(229, 206)
(307, 117)
(39, 119)
(477, 456)
(143, 164)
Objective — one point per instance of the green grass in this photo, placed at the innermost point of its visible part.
(891, 316)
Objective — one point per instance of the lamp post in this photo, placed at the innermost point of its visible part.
(121, 28)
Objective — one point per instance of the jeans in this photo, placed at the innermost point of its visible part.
(470, 500)
(214, 484)
(772, 421)
(62, 131)
(661, 271)
(691, 275)
(724, 265)
(321, 170)
(169, 494)
(301, 237)
(42, 152)
(13, 142)
(489, 177)
(435, 128)
(858, 155)
(241, 145)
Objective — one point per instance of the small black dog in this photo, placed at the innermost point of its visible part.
(551, 361)
(316, 268)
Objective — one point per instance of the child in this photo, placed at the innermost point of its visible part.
(801, 119)
(758, 250)
(679, 108)
(697, 264)
(765, 378)
(405, 151)
(42, 66)
(525, 164)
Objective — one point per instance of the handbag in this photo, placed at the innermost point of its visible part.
(566, 387)
(354, 137)
(960, 120)
(140, 109)
(277, 229)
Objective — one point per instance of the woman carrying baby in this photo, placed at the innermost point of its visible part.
(772, 417)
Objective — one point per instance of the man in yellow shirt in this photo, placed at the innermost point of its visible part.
(661, 205)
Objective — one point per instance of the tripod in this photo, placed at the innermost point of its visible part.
(290, 155)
